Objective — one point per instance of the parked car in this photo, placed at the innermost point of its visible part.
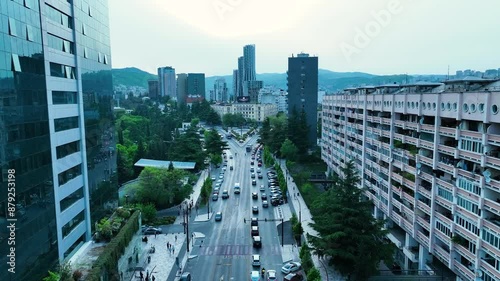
(262, 188)
(294, 277)
(271, 275)
(151, 230)
(215, 197)
(291, 267)
(265, 204)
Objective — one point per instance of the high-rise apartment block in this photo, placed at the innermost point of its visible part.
(429, 158)
(182, 92)
(153, 88)
(57, 129)
(220, 90)
(235, 83)
(303, 90)
(249, 63)
(240, 77)
(167, 83)
(196, 84)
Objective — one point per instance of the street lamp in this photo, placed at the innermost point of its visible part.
(185, 213)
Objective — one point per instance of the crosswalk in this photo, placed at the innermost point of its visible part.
(236, 250)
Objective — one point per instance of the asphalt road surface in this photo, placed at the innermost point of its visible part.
(226, 251)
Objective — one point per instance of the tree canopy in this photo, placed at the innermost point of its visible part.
(348, 233)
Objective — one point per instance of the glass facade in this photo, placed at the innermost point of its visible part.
(31, 94)
(23, 123)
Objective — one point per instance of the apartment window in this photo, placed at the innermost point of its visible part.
(58, 17)
(494, 109)
(491, 238)
(67, 228)
(69, 174)
(61, 97)
(467, 185)
(467, 224)
(473, 146)
(468, 205)
(29, 33)
(443, 228)
(60, 44)
(481, 107)
(62, 71)
(16, 65)
(67, 123)
(445, 194)
(72, 198)
(67, 149)
(12, 27)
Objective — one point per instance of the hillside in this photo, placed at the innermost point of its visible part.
(131, 76)
(328, 80)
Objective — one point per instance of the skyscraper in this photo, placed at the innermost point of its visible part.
(303, 90)
(249, 63)
(220, 90)
(153, 88)
(196, 84)
(57, 129)
(240, 77)
(235, 83)
(166, 79)
(182, 87)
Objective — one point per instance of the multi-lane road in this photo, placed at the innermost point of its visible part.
(226, 251)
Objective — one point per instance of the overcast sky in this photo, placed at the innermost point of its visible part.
(374, 36)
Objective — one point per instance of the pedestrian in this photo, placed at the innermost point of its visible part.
(141, 275)
(155, 234)
(152, 277)
(147, 276)
(173, 250)
(175, 238)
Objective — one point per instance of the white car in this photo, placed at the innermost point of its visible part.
(262, 188)
(255, 275)
(291, 267)
(271, 275)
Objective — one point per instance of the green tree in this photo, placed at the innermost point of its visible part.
(148, 212)
(289, 150)
(214, 143)
(348, 233)
(313, 275)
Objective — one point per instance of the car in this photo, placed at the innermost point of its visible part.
(255, 209)
(263, 196)
(265, 204)
(262, 188)
(221, 177)
(224, 168)
(259, 175)
(213, 178)
(294, 277)
(259, 170)
(215, 197)
(255, 231)
(151, 230)
(260, 164)
(256, 242)
(254, 182)
(255, 275)
(225, 194)
(251, 162)
(255, 195)
(255, 222)
(218, 216)
(241, 141)
(231, 168)
(291, 267)
(252, 175)
(216, 190)
(255, 260)
(231, 157)
(271, 275)
(186, 276)
(252, 170)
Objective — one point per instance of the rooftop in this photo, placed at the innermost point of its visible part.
(165, 164)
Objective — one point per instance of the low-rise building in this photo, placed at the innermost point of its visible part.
(257, 112)
(271, 95)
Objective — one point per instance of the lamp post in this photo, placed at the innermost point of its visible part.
(185, 212)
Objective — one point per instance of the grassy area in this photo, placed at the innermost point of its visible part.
(301, 172)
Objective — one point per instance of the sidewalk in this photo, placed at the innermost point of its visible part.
(162, 260)
(299, 205)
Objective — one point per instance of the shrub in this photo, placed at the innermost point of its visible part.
(123, 213)
(77, 274)
(313, 274)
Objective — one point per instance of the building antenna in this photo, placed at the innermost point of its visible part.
(448, 72)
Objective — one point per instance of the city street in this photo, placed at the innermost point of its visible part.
(226, 251)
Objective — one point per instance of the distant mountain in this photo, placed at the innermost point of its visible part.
(131, 76)
(330, 81)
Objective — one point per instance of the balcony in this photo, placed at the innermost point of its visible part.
(425, 192)
(446, 150)
(427, 128)
(464, 252)
(422, 222)
(486, 267)
(409, 198)
(411, 253)
(399, 123)
(492, 206)
(493, 162)
(411, 125)
(386, 121)
(494, 184)
(446, 131)
(427, 144)
(471, 156)
(426, 176)
(423, 207)
(441, 236)
(493, 139)
(443, 203)
(477, 136)
(445, 168)
(423, 239)
(463, 270)
(425, 160)
(445, 220)
(442, 254)
(398, 137)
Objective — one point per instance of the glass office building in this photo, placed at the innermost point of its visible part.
(56, 129)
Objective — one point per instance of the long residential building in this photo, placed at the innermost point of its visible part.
(257, 112)
(429, 158)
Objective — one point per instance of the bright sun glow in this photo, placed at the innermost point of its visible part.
(237, 18)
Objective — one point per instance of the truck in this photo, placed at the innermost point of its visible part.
(237, 188)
